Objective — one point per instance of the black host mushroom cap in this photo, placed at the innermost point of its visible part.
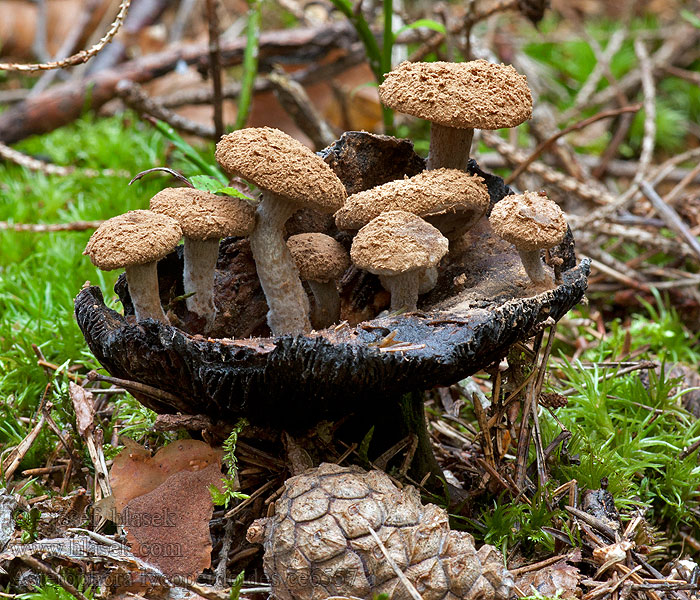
(294, 381)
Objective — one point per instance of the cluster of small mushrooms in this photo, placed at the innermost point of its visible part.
(402, 229)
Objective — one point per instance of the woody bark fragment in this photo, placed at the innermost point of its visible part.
(64, 103)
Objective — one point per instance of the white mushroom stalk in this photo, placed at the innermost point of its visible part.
(200, 258)
(286, 299)
(404, 288)
(144, 292)
(327, 308)
(449, 147)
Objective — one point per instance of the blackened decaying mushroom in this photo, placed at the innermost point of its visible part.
(135, 241)
(531, 222)
(347, 373)
(290, 177)
(449, 199)
(457, 98)
(205, 218)
(398, 246)
(321, 261)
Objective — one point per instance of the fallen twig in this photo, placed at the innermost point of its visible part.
(670, 217)
(215, 67)
(63, 103)
(575, 127)
(136, 98)
(50, 227)
(80, 57)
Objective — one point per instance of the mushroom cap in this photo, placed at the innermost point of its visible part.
(277, 163)
(428, 193)
(397, 241)
(205, 216)
(530, 221)
(318, 256)
(134, 238)
(475, 94)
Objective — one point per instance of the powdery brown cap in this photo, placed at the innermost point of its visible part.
(476, 94)
(276, 162)
(530, 221)
(318, 256)
(205, 216)
(428, 193)
(134, 238)
(397, 241)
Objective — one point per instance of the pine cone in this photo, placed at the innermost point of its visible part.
(319, 543)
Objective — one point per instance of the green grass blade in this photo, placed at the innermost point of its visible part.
(250, 63)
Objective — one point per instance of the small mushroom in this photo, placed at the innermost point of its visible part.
(205, 218)
(290, 177)
(531, 222)
(398, 246)
(457, 98)
(136, 241)
(321, 260)
(449, 199)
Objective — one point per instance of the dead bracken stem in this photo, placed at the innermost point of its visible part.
(80, 57)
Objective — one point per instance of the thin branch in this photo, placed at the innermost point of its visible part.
(82, 56)
(587, 191)
(215, 67)
(50, 227)
(575, 127)
(670, 217)
(34, 164)
(602, 66)
(649, 92)
(133, 95)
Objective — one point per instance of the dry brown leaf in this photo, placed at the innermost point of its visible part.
(560, 577)
(135, 473)
(84, 407)
(169, 526)
(60, 513)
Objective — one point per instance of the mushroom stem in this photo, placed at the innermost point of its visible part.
(533, 265)
(143, 289)
(403, 288)
(327, 309)
(200, 262)
(427, 279)
(449, 147)
(286, 300)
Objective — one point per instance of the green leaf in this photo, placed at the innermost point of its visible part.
(218, 498)
(693, 19)
(428, 23)
(206, 183)
(236, 586)
(229, 191)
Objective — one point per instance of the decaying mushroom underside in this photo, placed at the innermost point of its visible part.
(480, 307)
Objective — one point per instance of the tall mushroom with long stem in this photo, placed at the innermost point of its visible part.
(205, 218)
(531, 222)
(290, 177)
(136, 241)
(457, 98)
(398, 246)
